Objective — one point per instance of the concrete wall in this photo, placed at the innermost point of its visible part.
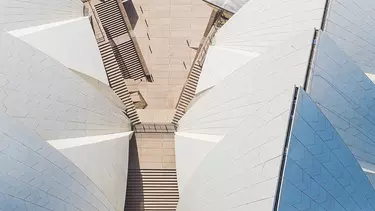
(321, 173)
(350, 23)
(35, 176)
(260, 24)
(261, 82)
(51, 99)
(104, 159)
(16, 14)
(346, 96)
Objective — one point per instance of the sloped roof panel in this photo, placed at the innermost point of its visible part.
(51, 99)
(346, 96)
(264, 81)
(17, 14)
(261, 24)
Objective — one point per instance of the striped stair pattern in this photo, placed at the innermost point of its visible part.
(151, 189)
(130, 62)
(125, 53)
(117, 82)
(111, 18)
(188, 92)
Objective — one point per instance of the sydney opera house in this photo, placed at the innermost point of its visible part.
(277, 111)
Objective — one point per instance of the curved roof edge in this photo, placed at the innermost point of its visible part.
(79, 52)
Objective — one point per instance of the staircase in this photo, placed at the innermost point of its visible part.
(116, 81)
(188, 92)
(152, 179)
(151, 189)
(127, 53)
(111, 18)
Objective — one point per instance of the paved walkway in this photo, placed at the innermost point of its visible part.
(168, 33)
(152, 151)
(152, 177)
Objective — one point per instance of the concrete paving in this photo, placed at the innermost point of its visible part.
(152, 151)
(167, 31)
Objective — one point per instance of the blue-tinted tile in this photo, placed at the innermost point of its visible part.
(321, 167)
(296, 150)
(290, 194)
(304, 204)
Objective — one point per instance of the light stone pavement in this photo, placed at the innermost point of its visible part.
(164, 31)
(152, 151)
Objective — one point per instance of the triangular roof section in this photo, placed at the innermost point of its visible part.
(229, 5)
(51, 99)
(22, 14)
(261, 24)
(264, 81)
(36, 176)
(256, 27)
(350, 24)
(104, 159)
(346, 96)
(70, 42)
(219, 63)
(191, 150)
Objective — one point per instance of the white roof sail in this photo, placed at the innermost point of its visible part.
(48, 97)
(219, 63)
(256, 27)
(350, 24)
(229, 5)
(23, 14)
(261, 24)
(191, 150)
(256, 84)
(70, 42)
(104, 159)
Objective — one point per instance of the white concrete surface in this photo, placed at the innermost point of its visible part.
(241, 171)
(251, 107)
(260, 24)
(104, 89)
(229, 5)
(191, 150)
(219, 63)
(50, 99)
(267, 78)
(70, 42)
(53, 87)
(104, 159)
(36, 176)
(17, 14)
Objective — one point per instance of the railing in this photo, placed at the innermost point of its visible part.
(85, 10)
(101, 37)
(187, 93)
(200, 56)
(154, 128)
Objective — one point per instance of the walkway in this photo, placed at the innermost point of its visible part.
(152, 179)
(168, 33)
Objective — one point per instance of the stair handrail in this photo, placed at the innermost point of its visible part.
(101, 37)
(200, 57)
